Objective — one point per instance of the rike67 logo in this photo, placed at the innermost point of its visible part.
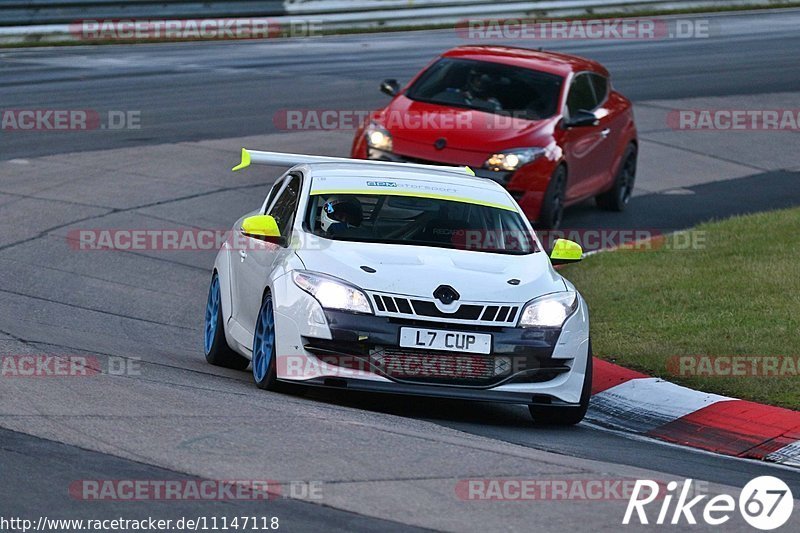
(766, 503)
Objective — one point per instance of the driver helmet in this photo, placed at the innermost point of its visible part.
(479, 82)
(339, 213)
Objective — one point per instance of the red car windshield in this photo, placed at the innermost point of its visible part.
(489, 87)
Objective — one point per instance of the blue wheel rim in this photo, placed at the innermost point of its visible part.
(212, 310)
(264, 342)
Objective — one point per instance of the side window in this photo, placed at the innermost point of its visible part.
(600, 84)
(286, 205)
(271, 195)
(581, 95)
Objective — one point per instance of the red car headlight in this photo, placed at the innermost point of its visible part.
(378, 137)
(510, 160)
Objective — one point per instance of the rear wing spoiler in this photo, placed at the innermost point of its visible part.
(289, 160)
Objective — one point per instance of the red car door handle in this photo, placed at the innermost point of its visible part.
(605, 133)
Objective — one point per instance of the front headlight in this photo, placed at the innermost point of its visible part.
(378, 137)
(550, 310)
(332, 293)
(513, 159)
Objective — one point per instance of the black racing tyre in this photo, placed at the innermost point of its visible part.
(617, 198)
(264, 356)
(215, 346)
(552, 210)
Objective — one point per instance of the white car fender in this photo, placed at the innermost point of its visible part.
(223, 267)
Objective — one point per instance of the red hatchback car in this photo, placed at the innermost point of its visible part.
(547, 126)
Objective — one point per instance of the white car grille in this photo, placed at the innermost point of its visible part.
(412, 307)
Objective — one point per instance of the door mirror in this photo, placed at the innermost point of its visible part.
(581, 119)
(390, 87)
(262, 227)
(565, 251)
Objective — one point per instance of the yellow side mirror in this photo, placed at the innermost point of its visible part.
(565, 251)
(261, 227)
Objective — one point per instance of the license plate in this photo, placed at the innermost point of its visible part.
(451, 341)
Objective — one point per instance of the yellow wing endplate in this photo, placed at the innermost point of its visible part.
(245, 161)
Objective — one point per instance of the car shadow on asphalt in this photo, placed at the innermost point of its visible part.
(687, 207)
(434, 409)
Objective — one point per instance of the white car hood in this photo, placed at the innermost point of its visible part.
(419, 270)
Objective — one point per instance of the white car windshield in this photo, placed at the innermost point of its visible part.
(418, 221)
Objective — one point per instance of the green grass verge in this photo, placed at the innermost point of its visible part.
(738, 295)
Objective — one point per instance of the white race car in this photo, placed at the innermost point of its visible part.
(399, 278)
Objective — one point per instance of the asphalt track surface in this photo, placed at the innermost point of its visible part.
(150, 307)
(220, 90)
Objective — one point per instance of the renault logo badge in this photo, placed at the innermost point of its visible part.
(446, 294)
